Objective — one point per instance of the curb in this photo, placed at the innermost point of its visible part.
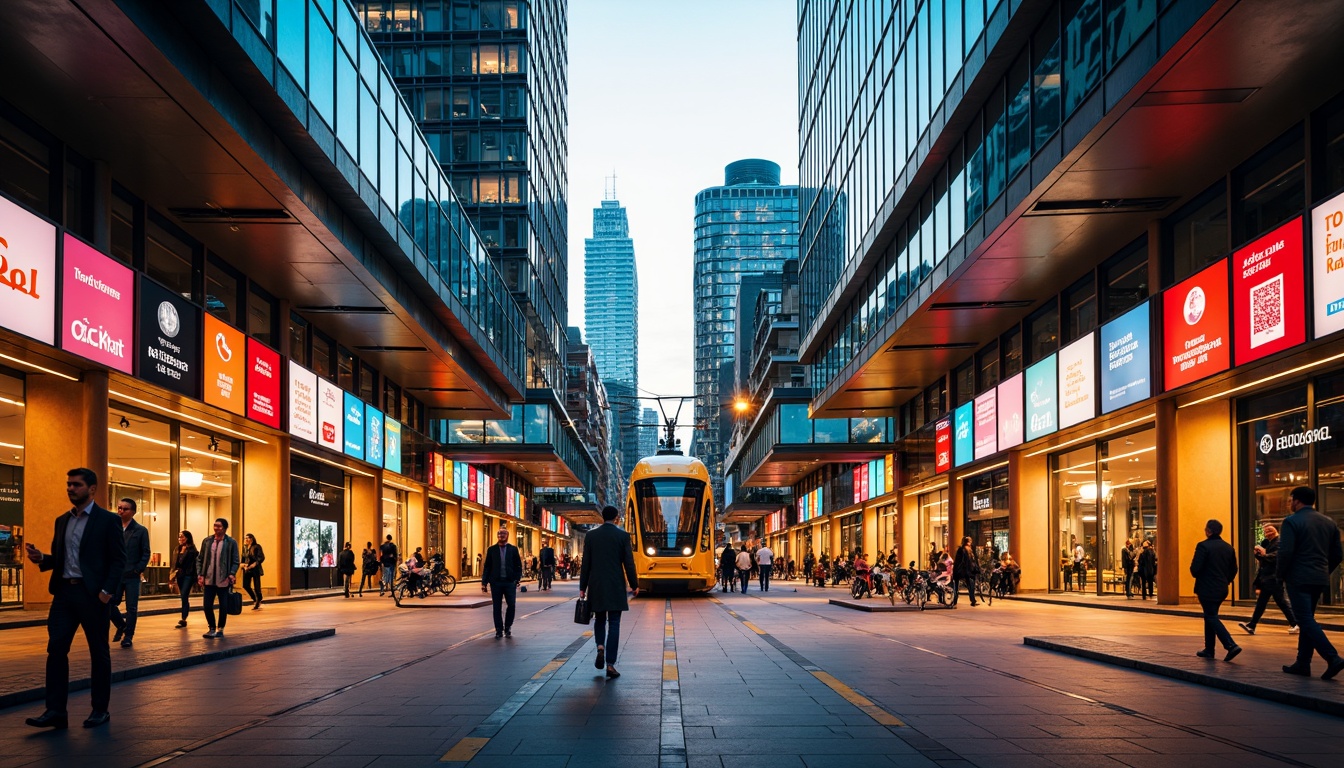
(155, 609)
(14, 698)
(1140, 608)
(876, 607)
(1299, 700)
(442, 606)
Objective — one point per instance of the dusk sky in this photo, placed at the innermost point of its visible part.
(665, 94)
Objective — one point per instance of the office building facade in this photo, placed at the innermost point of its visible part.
(611, 319)
(1055, 241)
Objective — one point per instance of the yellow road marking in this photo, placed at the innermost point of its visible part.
(753, 628)
(549, 668)
(870, 709)
(464, 750)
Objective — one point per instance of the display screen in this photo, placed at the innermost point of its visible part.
(27, 273)
(330, 416)
(354, 426)
(263, 384)
(1195, 324)
(97, 307)
(1267, 290)
(392, 445)
(302, 402)
(1010, 412)
(170, 340)
(1327, 264)
(1126, 359)
(986, 424)
(1042, 399)
(963, 450)
(942, 446)
(314, 543)
(1078, 382)
(225, 366)
(373, 435)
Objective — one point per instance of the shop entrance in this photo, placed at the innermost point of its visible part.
(932, 527)
(986, 505)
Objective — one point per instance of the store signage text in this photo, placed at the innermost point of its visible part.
(1327, 256)
(986, 424)
(1270, 444)
(1010, 412)
(1041, 394)
(263, 384)
(302, 402)
(1266, 274)
(27, 273)
(97, 307)
(963, 449)
(1195, 327)
(170, 338)
(1126, 343)
(942, 446)
(330, 415)
(1077, 382)
(225, 366)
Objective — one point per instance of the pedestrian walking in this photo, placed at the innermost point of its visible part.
(1214, 568)
(183, 574)
(369, 566)
(1308, 553)
(500, 576)
(1147, 569)
(743, 563)
(253, 557)
(136, 538)
(216, 568)
(608, 566)
(809, 563)
(1267, 581)
(728, 568)
(1080, 565)
(765, 561)
(87, 561)
(345, 565)
(546, 558)
(1128, 562)
(387, 558)
(965, 566)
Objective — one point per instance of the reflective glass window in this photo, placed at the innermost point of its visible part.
(1045, 82)
(1268, 189)
(24, 167)
(1197, 234)
(1125, 279)
(169, 260)
(1042, 332)
(1018, 131)
(794, 426)
(222, 291)
(830, 430)
(321, 65)
(1126, 21)
(1082, 50)
(291, 39)
(1080, 308)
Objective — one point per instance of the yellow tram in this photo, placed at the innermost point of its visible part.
(670, 515)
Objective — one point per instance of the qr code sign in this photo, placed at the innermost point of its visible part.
(1267, 311)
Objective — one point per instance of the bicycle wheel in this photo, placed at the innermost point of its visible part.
(922, 595)
(400, 591)
(447, 584)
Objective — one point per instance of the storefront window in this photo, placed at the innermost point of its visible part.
(1075, 513)
(887, 532)
(394, 518)
(434, 529)
(986, 510)
(318, 504)
(11, 489)
(851, 534)
(932, 526)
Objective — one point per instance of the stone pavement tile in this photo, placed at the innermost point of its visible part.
(1189, 745)
(847, 761)
(769, 734)
(591, 760)
(972, 747)
(745, 746)
(274, 746)
(1089, 731)
(342, 761)
(962, 731)
(866, 731)
(195, 760)
(1244, 760)
(591, 746)
(755, 720)
(1078, 746)
(509, 761)
(1087, 761)
(703, 761)
(391, 745)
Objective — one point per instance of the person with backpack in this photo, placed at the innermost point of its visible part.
(387, 558)
(345, 565)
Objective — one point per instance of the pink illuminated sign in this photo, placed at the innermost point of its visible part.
(97, 307)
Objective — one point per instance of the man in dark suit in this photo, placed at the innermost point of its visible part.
(1310, 550)
(608, 565)
(547, 559)
(1214, 567)
(136, 537)
(87, 562)
(501, 573)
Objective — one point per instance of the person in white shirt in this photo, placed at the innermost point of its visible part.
(766, 560)
(1080, 566)
(744, 567)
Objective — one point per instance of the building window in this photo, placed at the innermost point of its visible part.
(222, 289)
(1268, 189)
(1043, 332)
(1011, 343)
(1080, 308)
(1196, 234)
(1330, 148)
(1082, 50)
(170, 260)
(345, 369)
(25, 167)
(123, 229)
(261, 312)
(963, 382)
(323, 356)
(298, 340)
(1125, 279)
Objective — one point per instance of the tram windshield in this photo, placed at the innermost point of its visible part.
(669, 512)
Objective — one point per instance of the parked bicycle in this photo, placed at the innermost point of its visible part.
(427, 582)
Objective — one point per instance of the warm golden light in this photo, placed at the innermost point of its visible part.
(741, 405)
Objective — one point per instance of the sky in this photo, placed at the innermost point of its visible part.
(665, 93)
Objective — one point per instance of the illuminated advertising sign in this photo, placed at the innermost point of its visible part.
(460, 481)
(302, 402)
(1195, 324)
(225, 366)
(330, 416)
(373, 435)
(1078, 382)
(1327, 263)
(1042, 398)
(27, 273)
(97, 306)
(1264, 275)
(963, 449)
(392, 445)
(170, 340)
(986, 424)
(857, 476)
(440, 465)
(263, 384)
(1010, 412)
(942, 446)
(1126, 359)
(354, 427)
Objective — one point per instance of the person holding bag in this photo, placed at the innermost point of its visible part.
(253, 557)
(216, 566)
(608, 565)
(183, 575)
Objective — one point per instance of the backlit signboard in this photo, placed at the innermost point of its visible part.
(963, 438)
(1042, 398)
(330, 416)
(392, 445)
(170, 340)
(1327, 263)
(1126, 359)
(97, 306)
(1267, 290)
(986, 424)
(1195, 324)
(27, 273)
(225, 350)
(1010, 412)
(302, 402)
(373, 435)
(1078, 382)
(263, 384)
(942, 446)
(354, 427)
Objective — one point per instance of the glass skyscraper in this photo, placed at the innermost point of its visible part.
(611, 319)
(747, 226)
(486, 81)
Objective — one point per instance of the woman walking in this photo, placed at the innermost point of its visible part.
(370, 573)
(345, 565)
(184, 573)
(253, 557)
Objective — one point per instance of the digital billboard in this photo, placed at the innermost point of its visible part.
(1078, 381)
(27, 273)
(1010, 412)
(97, 306)
(1267, 289)
(1126, 359)
(963, 437)
(373, 435)
(1042, 398)
(1195, 323)
(330, 416)
(354, 427)
(1327, 265)
(170, 340)
(986, 424)
(302, 402)
(392, 445)
(263, 384)
(942, 446)
(225, 366)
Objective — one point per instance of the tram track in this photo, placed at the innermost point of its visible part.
(1110, 706)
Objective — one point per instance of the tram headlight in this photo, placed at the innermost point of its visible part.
(686, 551)
(650, 551)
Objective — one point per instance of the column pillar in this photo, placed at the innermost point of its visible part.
(1029, 520)
(834, 544)
(1195, 442)
(1168, 524)
(266, 509)
(956, 515)
(417, 521)
(452, 539)
(869, 543)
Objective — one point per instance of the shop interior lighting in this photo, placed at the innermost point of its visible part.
(138, 469)
(208, 455)
(1118, 457)
(1088, 492)
(982, 470)
(4, 399)
(1094, 435)
(190, 478)
(329, 462)
(144, 438)
(400, 487)
(124, 423)
(11, 445)
(188, 417)
(1258, 382)
(37, 367)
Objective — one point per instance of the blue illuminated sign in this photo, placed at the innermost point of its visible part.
(963, 434)
(1126, 359)
(354, 426)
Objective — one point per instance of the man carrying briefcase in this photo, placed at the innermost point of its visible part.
(217, 564)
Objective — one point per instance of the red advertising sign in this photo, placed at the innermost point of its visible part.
(863, 479)
(1265, 275)
(263, 384)
(858, 481)
(942, 446)
(471, 484)
(1195, 340)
